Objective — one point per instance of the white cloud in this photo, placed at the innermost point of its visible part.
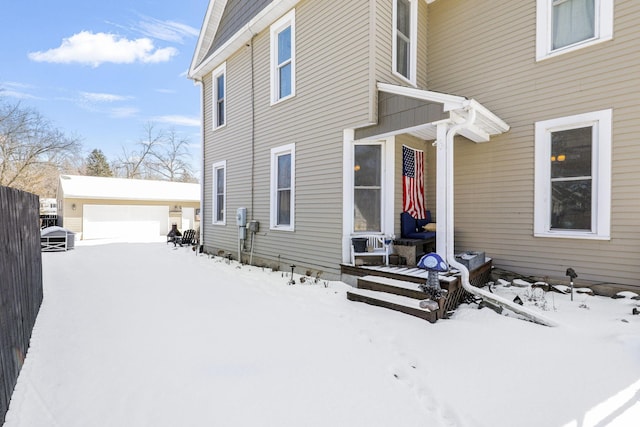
(166, 30)
(16, 90)
(123, 112)
(103, 97)
(95, 49)
(95, 102)
(178, 120)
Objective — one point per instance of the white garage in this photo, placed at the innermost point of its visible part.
(133, 221)
(126, 209)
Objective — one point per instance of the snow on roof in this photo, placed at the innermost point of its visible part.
(93, 187)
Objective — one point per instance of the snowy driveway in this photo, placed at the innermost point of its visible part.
(142, 334)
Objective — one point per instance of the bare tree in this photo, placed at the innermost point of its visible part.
(32, 151)
(170, 159)
(161, 154)
(134, 164)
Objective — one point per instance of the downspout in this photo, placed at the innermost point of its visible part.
(200, 236)
(253, 141)
(451, 259)
(253, 128)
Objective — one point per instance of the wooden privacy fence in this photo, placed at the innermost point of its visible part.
(20, 284)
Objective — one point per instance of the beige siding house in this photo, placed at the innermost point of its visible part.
(132, 209)
(299, 95)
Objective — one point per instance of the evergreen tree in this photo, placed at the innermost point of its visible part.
(97, 164)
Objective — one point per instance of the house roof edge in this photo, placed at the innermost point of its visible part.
(203, 63)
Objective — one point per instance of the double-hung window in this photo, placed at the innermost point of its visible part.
(219, 96)
(405, 24)
(573, 176)
(283, 160)
(219, 192)
(283, 65)
(367, 187)
(566, 25)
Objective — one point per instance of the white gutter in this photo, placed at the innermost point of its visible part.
(451, 259)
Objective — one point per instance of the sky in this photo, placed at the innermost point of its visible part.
(176, 338)
(103, 70)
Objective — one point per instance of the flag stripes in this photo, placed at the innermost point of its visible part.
(413, 182)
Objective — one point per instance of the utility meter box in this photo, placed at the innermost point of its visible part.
(254, 226)
(241, 217)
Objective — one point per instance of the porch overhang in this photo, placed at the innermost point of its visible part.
(418, 112)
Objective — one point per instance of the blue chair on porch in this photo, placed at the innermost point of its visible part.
(413, 228)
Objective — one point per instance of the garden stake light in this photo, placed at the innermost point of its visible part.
(434, 264)
(292, 281)
(572, 275)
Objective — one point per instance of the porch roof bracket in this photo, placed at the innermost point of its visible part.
(485, 125)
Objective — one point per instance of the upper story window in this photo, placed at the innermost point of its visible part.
(283, 161)
(567, 25)
(283, 65)
(573, 176)
(405, 34)
(219, 192)
(219, 96)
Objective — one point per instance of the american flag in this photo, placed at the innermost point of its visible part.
(413, 182)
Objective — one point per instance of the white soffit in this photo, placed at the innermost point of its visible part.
(486, 124)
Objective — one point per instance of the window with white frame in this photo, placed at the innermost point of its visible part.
(367, 187)
(219, 96)
(405, 35)
(283, 65)
(567, 25)
(573, 176)
(283, 160)
(219, 192)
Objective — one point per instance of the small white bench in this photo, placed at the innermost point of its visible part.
(375, 247)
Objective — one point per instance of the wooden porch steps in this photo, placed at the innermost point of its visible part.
(392, 286)
(398, 295)
(381, 285)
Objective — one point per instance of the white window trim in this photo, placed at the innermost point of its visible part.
(387, 213)
(287, 20)
(220, 71)
(601, 174)
(275, 152)
(348, 204)
(218, 165)
(544, 28)
(413, 52)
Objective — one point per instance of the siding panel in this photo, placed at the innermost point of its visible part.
(332, 93)
(494, 62)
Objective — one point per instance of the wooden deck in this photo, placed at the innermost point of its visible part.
(381, 286)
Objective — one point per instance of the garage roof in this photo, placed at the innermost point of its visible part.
(93, 187)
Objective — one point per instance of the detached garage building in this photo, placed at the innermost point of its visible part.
(134, 209)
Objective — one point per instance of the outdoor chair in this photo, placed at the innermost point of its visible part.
(187, 238)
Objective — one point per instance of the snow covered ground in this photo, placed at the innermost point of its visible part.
(145, 334)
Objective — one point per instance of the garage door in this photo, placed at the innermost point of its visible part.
(129, 222)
